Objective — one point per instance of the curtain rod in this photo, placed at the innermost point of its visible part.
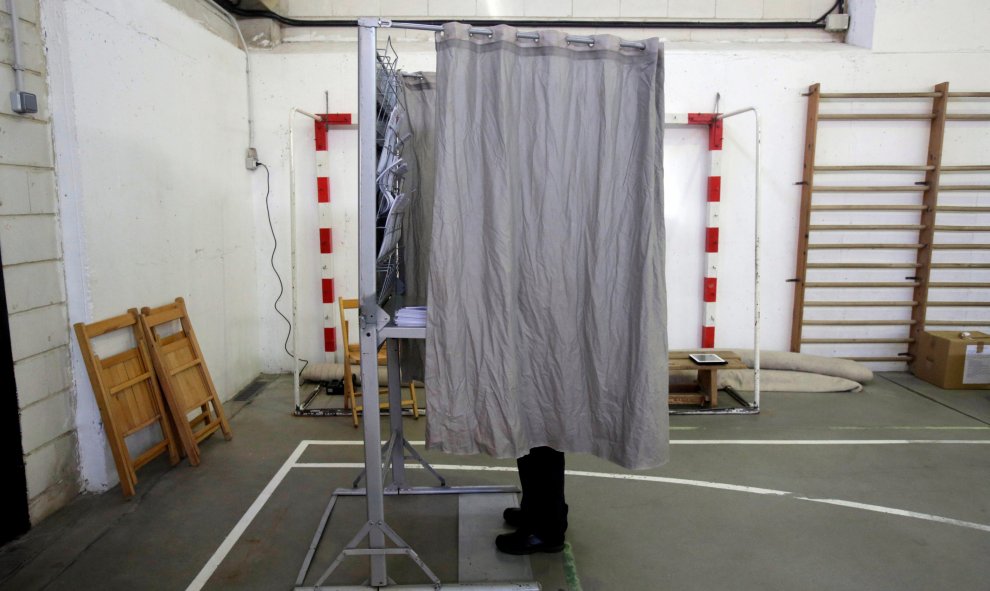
(531, 35)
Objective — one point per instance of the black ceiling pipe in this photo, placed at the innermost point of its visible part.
(819, 23)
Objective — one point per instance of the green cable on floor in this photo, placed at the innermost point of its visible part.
(570, 569)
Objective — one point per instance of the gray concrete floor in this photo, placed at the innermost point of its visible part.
(626, 534)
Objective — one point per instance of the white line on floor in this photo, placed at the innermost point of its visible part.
(758, 442)
(699, 483)
(901, 512)
(638, 477)
(211, 565)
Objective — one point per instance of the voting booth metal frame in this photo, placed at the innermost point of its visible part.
(382, 461)
(386, 460)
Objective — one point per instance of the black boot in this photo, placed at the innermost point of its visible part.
(522, 542)
(514, 517)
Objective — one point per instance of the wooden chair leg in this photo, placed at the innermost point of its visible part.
(415, 403)
(354, 410)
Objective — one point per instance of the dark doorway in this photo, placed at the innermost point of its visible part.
(16, 520)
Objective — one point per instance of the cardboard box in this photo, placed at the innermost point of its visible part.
(953, 362)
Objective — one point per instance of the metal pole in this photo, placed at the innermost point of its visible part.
(292, 257)
(16, 40)
(756, 254)
(531, 35)
(247, 70)
(367, 294)
(395, 414)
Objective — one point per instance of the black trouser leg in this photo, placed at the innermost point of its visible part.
(541, 474)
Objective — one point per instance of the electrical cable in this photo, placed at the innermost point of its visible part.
(281, 286)
(234, 8)
(838, 4)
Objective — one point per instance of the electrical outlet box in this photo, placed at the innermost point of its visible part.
(23, 102)
(837, 22)
(251, 159)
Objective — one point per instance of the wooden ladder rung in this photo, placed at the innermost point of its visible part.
(969, 95)
(874, 167)
(854, 341)
(888, 246)
(966, 168)
(957, 323)
(964, 187)
(865, 228)
(875, 116)
(868, 188)
(950, 304)
(143, 425)
(962, 209)
(876, 207)
(961, 284)
(120, 358)
(206, 431)
(204, 402)
(862, 265)
(962, 228)
(968, 117)
(878, 95)
(203, 417)
(960, 265)
(873, 284)
(110, 324)
(131, 382)
(859, 304)
(173, 343)
(162, 316)
(185, 366)
(150, 454)
(858, 322)
(961, 246)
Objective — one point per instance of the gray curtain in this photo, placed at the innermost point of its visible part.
(547, 307)
(419, 126)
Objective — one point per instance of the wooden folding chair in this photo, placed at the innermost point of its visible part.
(185, 380)
(352, 359)
(127, 394)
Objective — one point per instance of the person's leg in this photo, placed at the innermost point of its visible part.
(547, 514)
(543, 518)
(528, 473)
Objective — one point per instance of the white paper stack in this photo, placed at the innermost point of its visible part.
(412, 316)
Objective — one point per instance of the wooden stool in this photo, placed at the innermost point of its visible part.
(705, 391)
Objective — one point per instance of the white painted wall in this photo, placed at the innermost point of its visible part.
(770, 76)
(913, 26)
(150, 132)
(33, 278)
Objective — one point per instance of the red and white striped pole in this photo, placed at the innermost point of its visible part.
(714, 198)
(330, 314)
